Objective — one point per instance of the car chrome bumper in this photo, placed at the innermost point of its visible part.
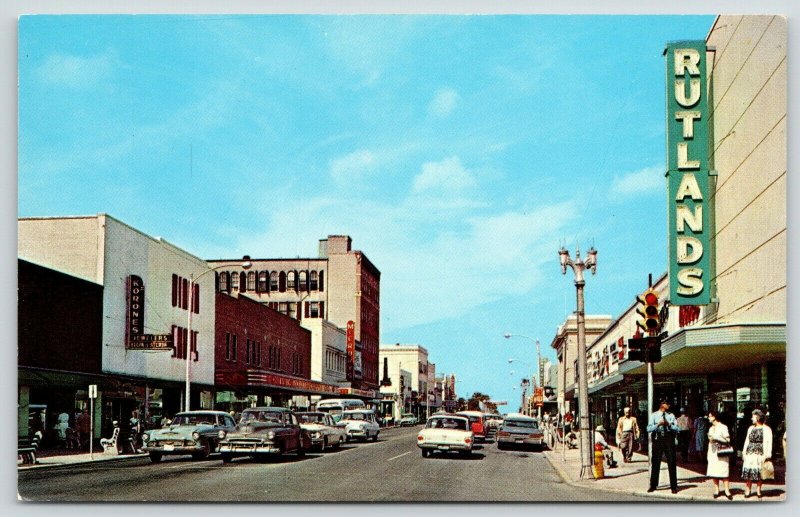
(445, 446)
(173, 449)
(357, 433)
(520, 441)
(246, 449)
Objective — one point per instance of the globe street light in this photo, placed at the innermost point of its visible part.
(578, 266)
(246, 264)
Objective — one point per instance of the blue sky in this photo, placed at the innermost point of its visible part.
(459, 152)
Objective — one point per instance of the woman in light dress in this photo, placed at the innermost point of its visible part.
(757, 449)
(719, 465)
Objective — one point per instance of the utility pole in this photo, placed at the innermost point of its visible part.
(578, 266)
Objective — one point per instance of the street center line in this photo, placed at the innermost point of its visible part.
(400, 456)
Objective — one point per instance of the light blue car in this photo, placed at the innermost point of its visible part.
(190, 432)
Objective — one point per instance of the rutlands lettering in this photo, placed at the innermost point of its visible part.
(689, 249)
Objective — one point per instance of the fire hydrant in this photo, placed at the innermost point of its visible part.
(597, 469)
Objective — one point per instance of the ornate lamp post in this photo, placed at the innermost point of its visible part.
(246, 264)
(578, 267)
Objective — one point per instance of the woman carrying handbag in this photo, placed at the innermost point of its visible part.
(719, 453)
(757, 454)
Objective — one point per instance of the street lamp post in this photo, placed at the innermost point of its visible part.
(525, 408)
(578, 266)
(538, 363)
(246, 264)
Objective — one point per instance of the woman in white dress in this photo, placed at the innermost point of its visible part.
(757, 449)
(719, 466)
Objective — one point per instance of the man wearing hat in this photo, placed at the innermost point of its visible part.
(663, 429)
(600, 438)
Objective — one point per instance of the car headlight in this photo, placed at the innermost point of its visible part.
(362, 426)
(315, 435)
(222, 434)
(195, 436)
(145, 437)
(271, 435)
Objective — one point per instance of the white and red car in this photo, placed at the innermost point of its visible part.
(446, 433)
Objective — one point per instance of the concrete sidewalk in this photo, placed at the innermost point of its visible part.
(62, 460)
(633, 478)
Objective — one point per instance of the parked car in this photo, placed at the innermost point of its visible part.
(263, 432)
(493, 422)
(361, 424)
(519, 430)
(190, 432)
(408, 419)
(446, 433)
(477, 422)
(321, 429)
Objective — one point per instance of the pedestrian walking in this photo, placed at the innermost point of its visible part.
(684, 434)
(719, 454)
(83, 426)
(663, 429)
(756, 452)
(627, 434)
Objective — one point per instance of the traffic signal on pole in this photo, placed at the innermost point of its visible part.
(648, 310)
(653, 350)
(636, 349)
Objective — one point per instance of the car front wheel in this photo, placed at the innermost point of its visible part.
(425, 453)
(204, 454)
(375, 437)
(155, 457)
(226, 458)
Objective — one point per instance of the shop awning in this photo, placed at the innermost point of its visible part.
(275, 382)
(716, 348)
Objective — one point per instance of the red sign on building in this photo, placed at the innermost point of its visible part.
(351, 348)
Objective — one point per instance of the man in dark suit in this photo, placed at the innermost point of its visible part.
(663, 429)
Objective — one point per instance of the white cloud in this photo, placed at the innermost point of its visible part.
(649, 179)
(76, 72)
(352, 166)
(444, 176)
(443, 103)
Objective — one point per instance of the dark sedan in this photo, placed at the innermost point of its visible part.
(262, 432)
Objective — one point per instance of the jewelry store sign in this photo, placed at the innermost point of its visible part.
(688, 173)
(135, 338)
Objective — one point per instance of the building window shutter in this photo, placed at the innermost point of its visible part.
(174, 290)
(322, 280)
(184, 294)
(174, 342)
(322, 310)
(196, 299)
(194, 346)
(282, 282)
(307, 309)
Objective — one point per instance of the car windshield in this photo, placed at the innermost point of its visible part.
(408, 415)
(354, 416)
(526, 424)
(193, 419)
(447, 423)
(311, 418)
(275, 417)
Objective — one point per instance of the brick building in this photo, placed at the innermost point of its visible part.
(340, 285)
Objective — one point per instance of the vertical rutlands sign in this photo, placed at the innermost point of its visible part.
(688, 173)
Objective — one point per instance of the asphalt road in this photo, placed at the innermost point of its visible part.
(389, 470)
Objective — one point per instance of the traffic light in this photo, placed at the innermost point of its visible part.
(645, 349)
(648, 310)
(653, 350)
(636, 348)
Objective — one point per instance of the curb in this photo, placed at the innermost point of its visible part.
(39, 466)
(568, 480)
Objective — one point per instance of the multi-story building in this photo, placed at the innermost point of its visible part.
(262, 356)
(728, 354)
(145, 310)
(60, 321)
(414, 359)
(565, 343)
(341, 286)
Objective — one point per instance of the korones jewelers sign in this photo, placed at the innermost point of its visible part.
(135, 338)
(688, 173)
